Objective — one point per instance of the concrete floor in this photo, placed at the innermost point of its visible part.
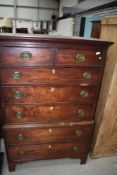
(102, 166)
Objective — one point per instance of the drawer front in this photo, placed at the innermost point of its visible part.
(54, 150)
(46, 75)
(49, 94)
(79, 57)
(49, 113)
(44, 135)
(20, 55)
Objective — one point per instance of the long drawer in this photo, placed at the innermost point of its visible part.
(54, 150)
(79, 57)
(49, 75)
(49, 113)
(26, 135)
(49, 94)
(25, 56)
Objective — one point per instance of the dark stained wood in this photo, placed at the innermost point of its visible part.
(1, 162)
(49, 94)
(67, 57)
(49, 75)
(11, 166)
(44, 135)
(53, 41)
(48, 151)
(41, 108)
(96, 29)
(49, 113)
(12, 56)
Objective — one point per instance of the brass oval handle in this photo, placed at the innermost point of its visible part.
(26, 55)
(84, 93)
(20, 136)
(17, 94)
(78, 133)
(16, 75)
(18, 114)
(80, 57)
(80, 113)
(75, 148)
(87, 76)
(22, 153)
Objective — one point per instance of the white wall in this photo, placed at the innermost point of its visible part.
(65, 27)
(29, 13)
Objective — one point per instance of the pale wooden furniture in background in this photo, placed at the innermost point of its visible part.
(105, 137)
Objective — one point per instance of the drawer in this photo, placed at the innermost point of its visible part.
(47, 75)
(54, 150)
(79, 57)
(25, 135)
(49, 94)
(22, 55)
(49, 113)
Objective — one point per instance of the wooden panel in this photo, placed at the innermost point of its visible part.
(12, 56)
(96, 29)
(106, 115)
(54, 150)
(49, 113)
(68, 57)
(46, 75)
(44, 135)
(53, 94)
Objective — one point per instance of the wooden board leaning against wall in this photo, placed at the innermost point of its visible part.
(105, 136)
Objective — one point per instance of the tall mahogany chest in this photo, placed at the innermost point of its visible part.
(49, 91)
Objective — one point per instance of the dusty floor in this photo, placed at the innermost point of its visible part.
(102, 166)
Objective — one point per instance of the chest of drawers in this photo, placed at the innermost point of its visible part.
(49, 91)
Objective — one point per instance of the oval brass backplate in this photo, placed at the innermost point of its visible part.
(75, 148)
(80, 57)
(16, 75)
(26, 55)
(78, 133)
(22, 153)
(17, 94)
(84, 93)
(86, 76)
(80, 113)
(18, 114)
(20, 136)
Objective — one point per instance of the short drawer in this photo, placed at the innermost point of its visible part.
(79, 57)
(22, 55)
(47, 75)
(49, 151)
(25, 135)
(49, 94)
(49, 113)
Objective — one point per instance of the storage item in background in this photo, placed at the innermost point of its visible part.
(6, 25)
(21, 30)
(50, 88)
(43, 31)
(96, 29)
(105, 137)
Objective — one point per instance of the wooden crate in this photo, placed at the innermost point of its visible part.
(105, 136)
